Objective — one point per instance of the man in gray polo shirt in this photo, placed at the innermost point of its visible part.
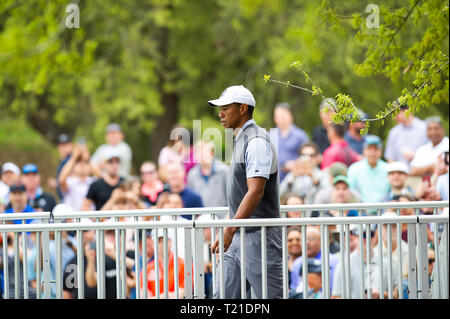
(252, 192)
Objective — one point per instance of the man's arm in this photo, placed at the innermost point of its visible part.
(248, 205)
(422, 170)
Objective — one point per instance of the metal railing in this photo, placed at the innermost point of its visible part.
(194, 271)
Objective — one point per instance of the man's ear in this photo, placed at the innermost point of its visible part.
(244, 109)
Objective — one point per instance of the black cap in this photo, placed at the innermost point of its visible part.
(64, 138)
(17, 188)
(314, 266)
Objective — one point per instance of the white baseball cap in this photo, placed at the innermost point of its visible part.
(8, 166)
(234, 94)
(397, 167)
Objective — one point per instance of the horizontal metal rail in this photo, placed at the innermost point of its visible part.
(256, 222)
(216, 210)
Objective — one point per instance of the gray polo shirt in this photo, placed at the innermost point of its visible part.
(254, 155)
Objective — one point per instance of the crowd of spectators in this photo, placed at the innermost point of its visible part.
(336, 165)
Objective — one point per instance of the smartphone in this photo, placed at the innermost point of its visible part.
(92, 245)
(81, 140)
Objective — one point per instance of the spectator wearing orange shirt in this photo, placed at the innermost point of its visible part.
(151, 274)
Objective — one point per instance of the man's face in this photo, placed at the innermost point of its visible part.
(341, 192)
(401, 117)
(31, 180)
(114, 137)
(312, 154)
(357, 127)
(325, 117)
(18, 198)
(10, 178)
(112, 166)
(314, 280)
(397, 179)
(64, 149)
(174, 174)
(312, 242)
(435, 133)
(294, 243)
(148, 173)
(230, 115)
(204, 153)
(372, 153)
(282, 117)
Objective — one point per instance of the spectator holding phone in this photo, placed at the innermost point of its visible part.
(76, 176)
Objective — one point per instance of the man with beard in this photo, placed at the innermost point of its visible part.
(100, 191)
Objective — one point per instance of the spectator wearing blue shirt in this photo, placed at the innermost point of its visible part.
(369, 175)
(405, 138)
(18, 202)
(175, 176)
(353, 134)
(312, 251)
(37, 198)
(288, 136)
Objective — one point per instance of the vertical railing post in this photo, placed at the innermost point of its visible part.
(188, 263)
(422, 267)
(199, 271)
(412, 271)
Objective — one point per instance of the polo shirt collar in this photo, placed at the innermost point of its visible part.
(251, 121)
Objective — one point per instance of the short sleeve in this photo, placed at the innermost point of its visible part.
(258, 158)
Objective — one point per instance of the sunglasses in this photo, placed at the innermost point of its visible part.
(430, 261)
(148, 172)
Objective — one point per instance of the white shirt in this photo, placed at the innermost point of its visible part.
(77, 191)
(4, 193)
(427, 154)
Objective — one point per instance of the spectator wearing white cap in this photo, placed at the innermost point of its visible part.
(10, 174)
(398, 173)
(116, 143)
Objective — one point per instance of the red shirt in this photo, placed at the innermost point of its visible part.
(339, 151)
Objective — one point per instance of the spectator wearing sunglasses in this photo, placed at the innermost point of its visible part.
(152, 186)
